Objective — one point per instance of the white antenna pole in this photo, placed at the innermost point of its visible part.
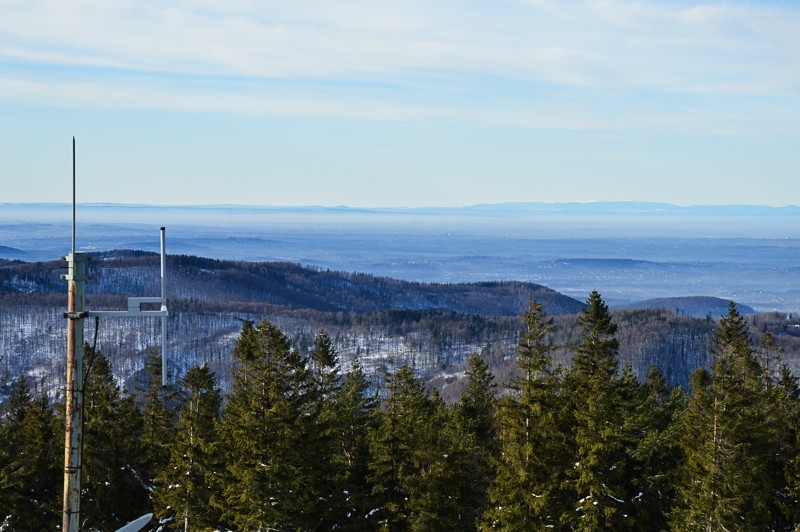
(73, 411)
(163, 309)
(73, 195)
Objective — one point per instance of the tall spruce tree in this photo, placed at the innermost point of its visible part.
(598, 476)
(782, 409)
(785, 398)
(159, 418)
(186, 486)
(355, 418)
(435, 504)
(113, 490)
(323, 422)
(727, 441)
(527, 492)
(475, 443)
(651, 442)
(30, 476)
(408, 466)
(265, 430)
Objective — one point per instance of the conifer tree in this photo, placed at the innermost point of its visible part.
(185, 487)
(726, 439)
(265, 430)
(408, 466)
(782, 410)
(527, 491)
(114, 491)
(441, 503)
(355, 415)
(598, 477)
(322, 428)
(785, 398)
(474, 443)
(324, 361)
(29, 458)
(648, 436)
(158, 418)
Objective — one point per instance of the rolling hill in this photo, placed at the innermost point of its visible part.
(285, 284)
(696, 306)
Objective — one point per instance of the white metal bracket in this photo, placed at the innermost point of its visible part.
(135, 310)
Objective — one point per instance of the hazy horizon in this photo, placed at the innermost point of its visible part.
(587, 203)
(629, 254)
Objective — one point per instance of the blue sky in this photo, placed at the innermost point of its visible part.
(411, 103)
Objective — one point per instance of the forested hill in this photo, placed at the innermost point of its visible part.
(697, 306)
(285, 284)
(381, 321)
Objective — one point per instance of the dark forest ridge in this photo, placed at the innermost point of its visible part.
(129, 272)
(135, 272)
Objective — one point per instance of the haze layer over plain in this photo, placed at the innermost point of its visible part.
(628, 251)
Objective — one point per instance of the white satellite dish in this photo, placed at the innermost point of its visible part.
(137, 525)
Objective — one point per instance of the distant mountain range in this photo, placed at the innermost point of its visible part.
(636, 208)
(614, 208)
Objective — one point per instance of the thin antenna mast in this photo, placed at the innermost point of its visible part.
(73, 195)
(73, 412)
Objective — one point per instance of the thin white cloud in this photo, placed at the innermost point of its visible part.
(570, 112)
(596, 40)
(108, 53)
